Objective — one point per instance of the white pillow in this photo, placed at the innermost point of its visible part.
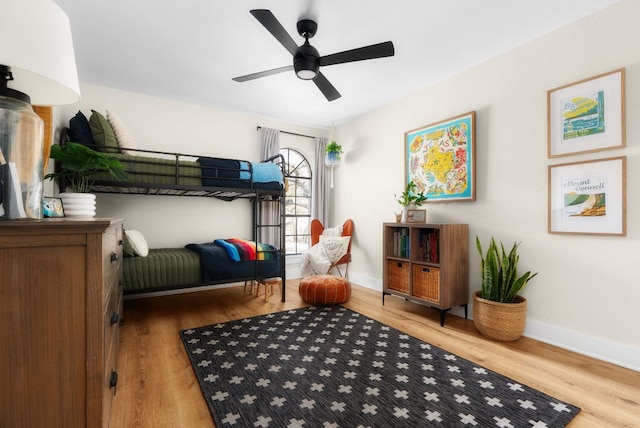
(312, 262)
(135, 244)
(124, 136)
(334, 247)
(332, 231)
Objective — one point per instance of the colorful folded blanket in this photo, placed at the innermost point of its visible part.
(241, 250)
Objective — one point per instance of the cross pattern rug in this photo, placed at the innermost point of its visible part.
(328, 366)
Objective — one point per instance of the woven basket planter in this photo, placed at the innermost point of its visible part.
(500, 321)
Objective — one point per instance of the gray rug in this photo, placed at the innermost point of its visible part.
(327, 366)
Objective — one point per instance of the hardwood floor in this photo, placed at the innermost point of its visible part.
(157, 387)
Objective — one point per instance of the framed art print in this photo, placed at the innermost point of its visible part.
(416, 216)
(587, 116)
(52, 207)
(440, 159)
(588, 197)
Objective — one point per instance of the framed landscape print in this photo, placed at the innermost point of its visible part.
(440, 159)
(587, 116)
(588, 197)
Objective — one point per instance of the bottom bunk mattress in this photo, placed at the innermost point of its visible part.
(172, 268)
(163, 268)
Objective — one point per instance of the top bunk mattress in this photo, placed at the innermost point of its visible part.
(205, 171)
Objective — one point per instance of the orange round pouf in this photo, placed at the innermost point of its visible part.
(324, 289)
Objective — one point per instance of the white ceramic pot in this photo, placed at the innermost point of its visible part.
(79, 205)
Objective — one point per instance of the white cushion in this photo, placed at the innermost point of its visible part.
(135, 244)
(334, 247)
(332, 231)
(312, 262)
(124, 137)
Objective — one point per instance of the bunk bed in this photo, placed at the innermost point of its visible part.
(198, 264)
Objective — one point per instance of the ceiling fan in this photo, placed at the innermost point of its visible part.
(306, 59)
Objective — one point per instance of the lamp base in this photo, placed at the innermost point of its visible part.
(21, 152)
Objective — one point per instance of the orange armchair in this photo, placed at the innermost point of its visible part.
(347, 230)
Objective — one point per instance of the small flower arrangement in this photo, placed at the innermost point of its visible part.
(410, 196)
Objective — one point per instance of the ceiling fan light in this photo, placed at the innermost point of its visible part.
(305, 62)
(306, 74)
(306, 68)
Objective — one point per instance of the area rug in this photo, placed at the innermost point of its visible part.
(328, 366)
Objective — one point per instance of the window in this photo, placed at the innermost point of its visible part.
(297, 201)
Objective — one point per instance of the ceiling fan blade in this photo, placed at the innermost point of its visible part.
(263, 73)
(272, 25)
(326, 87)
(379, 50)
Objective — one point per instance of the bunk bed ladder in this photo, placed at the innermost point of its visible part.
(261, 224)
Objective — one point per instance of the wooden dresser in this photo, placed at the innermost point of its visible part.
(60, 313)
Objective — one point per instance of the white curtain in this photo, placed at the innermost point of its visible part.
(270, 142)
(269, 212)
(319, 203)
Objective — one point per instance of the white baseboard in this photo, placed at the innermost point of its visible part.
(612, 352)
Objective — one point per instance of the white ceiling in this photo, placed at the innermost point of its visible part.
(189, 50)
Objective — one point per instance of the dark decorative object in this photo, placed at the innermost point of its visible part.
(306, 59)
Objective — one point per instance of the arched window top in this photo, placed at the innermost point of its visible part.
(296, 165)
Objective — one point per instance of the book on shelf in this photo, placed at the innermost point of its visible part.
(428, 246)
(401, 243)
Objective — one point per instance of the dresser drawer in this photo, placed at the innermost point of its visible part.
(112, 246)
(110, 382)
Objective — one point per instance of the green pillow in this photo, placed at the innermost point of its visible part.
(102, 132)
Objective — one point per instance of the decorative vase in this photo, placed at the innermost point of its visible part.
(78, 205)
(499, 321)
(405, 208)
(332, 158)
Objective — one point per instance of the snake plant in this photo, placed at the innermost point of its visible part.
(500, 281)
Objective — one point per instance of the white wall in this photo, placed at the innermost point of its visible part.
(165, 125)
(586, 294)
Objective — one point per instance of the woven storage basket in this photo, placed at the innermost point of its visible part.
(426, 283)
(499, 321)
(398, 278)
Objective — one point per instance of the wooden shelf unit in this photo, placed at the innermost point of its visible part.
(427, 264)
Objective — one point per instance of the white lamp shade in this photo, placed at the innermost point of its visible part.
(37, 45)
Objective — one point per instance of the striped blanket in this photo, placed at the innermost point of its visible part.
(241, 250)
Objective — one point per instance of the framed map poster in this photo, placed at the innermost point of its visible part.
(587, 116)
(588, 197)
(440, 159)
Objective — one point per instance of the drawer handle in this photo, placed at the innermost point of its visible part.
(113, 381)
(114, 257)
(399, 264)
(114, 318)
(426, 270)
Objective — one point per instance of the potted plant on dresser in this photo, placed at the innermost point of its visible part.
(499, 313)
(78, 167)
